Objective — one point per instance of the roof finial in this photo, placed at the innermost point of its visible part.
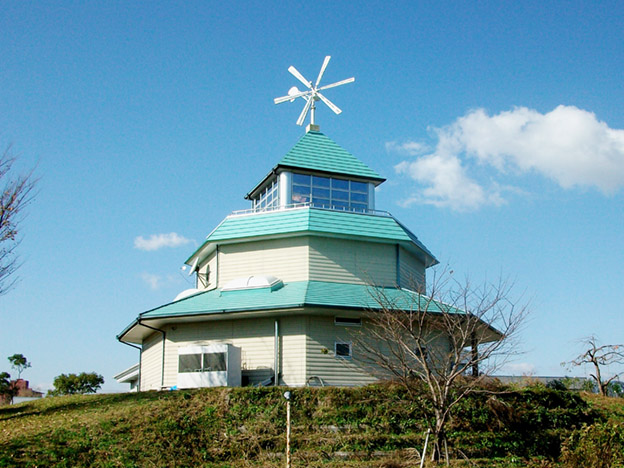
(311, 95)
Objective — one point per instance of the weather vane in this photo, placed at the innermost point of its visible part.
(313, 93)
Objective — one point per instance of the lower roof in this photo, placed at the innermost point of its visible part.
(293, 295)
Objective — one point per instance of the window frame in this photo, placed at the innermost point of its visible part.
(343, 343)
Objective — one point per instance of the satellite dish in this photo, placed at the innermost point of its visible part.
(313, 93)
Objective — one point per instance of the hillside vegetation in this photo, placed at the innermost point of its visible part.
(374, 426)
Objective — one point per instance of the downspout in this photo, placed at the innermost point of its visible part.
(164, 335)
(140, 357)
(398, 267)
(276, 356)
(217, 273)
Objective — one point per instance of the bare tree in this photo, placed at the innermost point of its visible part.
(448, 341)
(17, 191)
(599, 357)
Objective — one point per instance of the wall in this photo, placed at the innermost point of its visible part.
(347, 261)
(287, 259)
(412, 272)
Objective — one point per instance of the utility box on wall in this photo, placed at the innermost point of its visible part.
(213, 365)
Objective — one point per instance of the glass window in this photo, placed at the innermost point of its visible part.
(320, 181)
(359, 197)
(343, 350)
(340, 184)
(189, 363)
(214, 362)
(320, 193)
(359, 187)
(301, 179)
(340, 194)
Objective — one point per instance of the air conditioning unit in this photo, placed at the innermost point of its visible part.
(212, 365)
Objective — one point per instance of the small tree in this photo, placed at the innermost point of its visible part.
(599, 357)
(15, 193)
(447, 341)
(8, 390)
(72, 384)
(19, 363)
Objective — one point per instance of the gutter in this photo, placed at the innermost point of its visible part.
(140, 356)
(164, 335)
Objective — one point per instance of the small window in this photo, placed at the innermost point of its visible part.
(342, 350)
(189, 363)
(214, 362)
(348, 321)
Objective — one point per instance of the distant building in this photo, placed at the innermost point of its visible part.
(24, 392)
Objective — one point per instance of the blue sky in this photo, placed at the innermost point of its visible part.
(498, 125)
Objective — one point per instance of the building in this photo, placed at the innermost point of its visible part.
(282, 287)
(23, 393)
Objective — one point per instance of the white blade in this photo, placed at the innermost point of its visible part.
(338, 83)
(299, 76)
(325, 62)
(330, 104)
(304, 112)
(290, 97)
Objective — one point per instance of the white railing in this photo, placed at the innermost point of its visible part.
(297, 206)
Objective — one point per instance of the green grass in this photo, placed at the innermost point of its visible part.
(375, 426)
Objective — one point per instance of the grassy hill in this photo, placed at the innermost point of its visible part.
(244, 427)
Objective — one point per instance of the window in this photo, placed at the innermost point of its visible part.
(204, 362)
(327, 192)
(342, 349)
(347, 322)
(268, 198)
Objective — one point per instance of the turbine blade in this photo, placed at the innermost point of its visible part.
(330, 104)
(299, 76)
(304, 112)
(323, 67)
(338, 83)
(290, 97)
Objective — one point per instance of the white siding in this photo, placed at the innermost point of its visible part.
(151, 362)
(293, 350)
(321, 361)
(412, 270)
(287, 259)
(344, 261)
(255, 337)
(207, 273)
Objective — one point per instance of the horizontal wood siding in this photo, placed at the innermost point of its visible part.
(286, 259)
(412, 271)
(207, 273)
(321, 360)
(255, 337)
(151, 362)
(345, 261)
(293, 350)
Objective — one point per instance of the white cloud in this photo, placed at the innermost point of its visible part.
(159, 241)
(153, 281)
(156, 282)
(411, 148)
(567, 145)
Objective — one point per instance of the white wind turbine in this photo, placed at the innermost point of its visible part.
(312, 94)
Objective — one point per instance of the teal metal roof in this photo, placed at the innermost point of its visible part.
(314, 220)
(316, 152)
(293, 295)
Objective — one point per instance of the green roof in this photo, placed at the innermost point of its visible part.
(316, 221)
(293, 295)
(316, 152)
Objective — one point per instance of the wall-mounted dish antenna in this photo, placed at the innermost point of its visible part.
(312, 94)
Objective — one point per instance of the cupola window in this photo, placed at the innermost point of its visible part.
(328, 192)
(268, 198)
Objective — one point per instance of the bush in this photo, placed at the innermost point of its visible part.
(599, 445)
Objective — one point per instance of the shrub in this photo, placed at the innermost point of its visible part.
(599, 445)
